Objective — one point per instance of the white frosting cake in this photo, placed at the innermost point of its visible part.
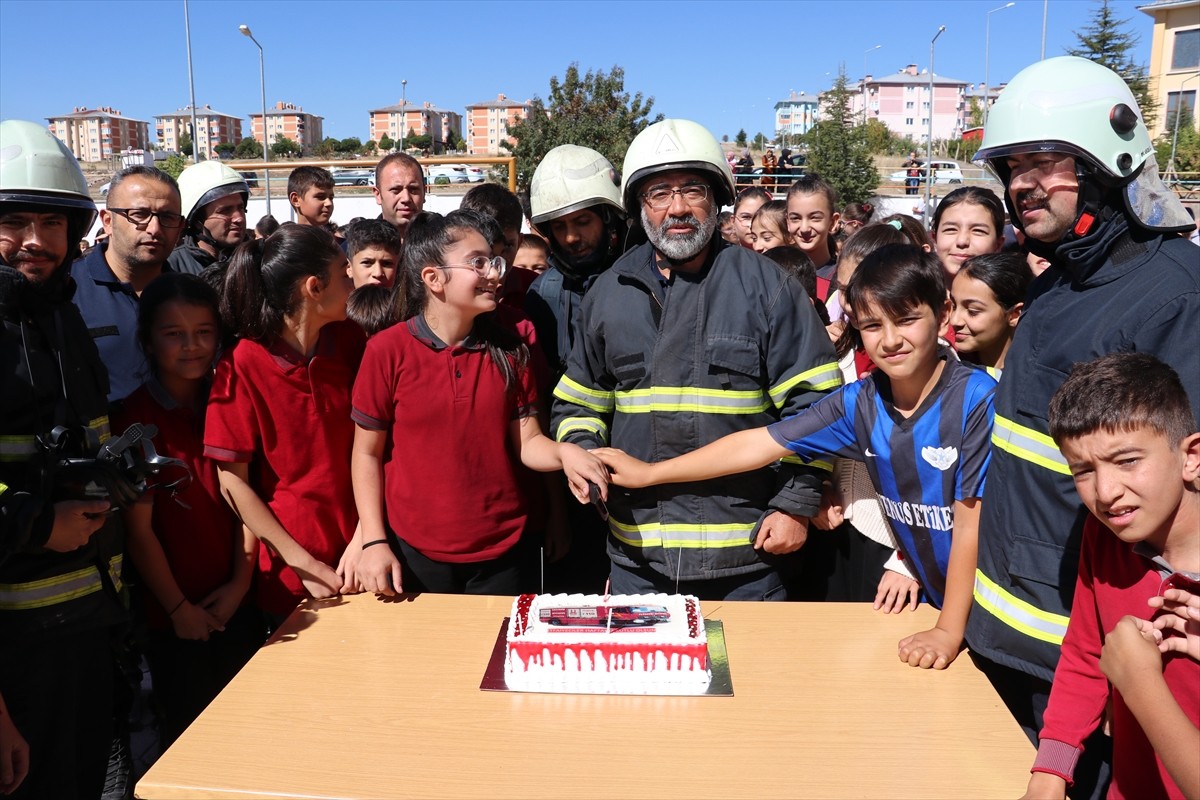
(619, 644)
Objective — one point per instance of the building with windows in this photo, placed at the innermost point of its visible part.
(1174, 59)
(213, 128)
(902, 102)
(488, 123)
(796, 115)
(97, 134)
(289, 121)
(407, 118)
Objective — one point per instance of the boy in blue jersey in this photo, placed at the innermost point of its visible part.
(922, 423)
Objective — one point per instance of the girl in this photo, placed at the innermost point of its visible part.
(812, 220)
(967, 223)
(748, 203)
(855, 217)
(769, 227)
(987, 296)
(851, 254)
(921, 423)
(912, 228)
(279, 414)
(189, 549)
(443, 402)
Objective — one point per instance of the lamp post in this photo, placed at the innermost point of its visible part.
(262, 81)
(865, 54)
(1178, 111)
(929, 143)
(987, 51)
(403, 111)
(187, 32)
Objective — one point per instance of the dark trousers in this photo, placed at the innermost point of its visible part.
(500, 575)
(839, 566)
(765, 585)
(59, 692)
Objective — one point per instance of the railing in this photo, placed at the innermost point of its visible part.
(287, 165)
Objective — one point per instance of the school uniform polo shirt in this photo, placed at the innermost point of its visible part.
(450, 480)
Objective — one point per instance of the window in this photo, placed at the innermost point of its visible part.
(924, 121)
(909, 105)
(908, 121)
(1186, 53)
(1189, 101)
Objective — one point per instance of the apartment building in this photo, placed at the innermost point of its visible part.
(903, 102)
(407, 118)
(796, 115)
(488, 123)
(1174, 59)
(290, 121)
(96, 134)
(212, 128)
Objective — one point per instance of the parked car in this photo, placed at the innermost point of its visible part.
(251, 179)
(475, 174)
(353, 177)
(104, 189)
(943, 172)
(446, 173)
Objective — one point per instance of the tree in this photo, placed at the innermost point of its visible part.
(760, 141)
(1187, 144)
(455, 141)
(225, 149)
(1107, 40)
(838, 149)
(725, 138)
(173, 165)
(369, 148)
(592, 110)
(740, 140)
(284, 146)
(976, 114)
(878, 136)
(327, 147)
(421, 141)
(185, 144)
(248, 148)
(386, 144)
(351, 144)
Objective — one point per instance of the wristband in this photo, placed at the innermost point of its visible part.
(372, 544)
(178, 606)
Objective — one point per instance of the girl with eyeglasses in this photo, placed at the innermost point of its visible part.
(444, 402)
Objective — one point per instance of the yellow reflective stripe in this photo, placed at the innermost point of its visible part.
(3, 487)
(801, 462)
(101, 427)
(575, 392)
(1018, 614)
(17, 448)
(675, 535)
(57, 589)
(819, 378)
(687, 398)
(589, 424)
(1028, 445)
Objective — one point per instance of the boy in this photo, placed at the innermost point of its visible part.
(533, 255)
(373, 246)
(310, 191)
(372, 306)
(1125, 427)
(493, 200)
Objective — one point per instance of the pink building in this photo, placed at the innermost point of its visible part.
(902, 103)
(488, 122)
(405, 118)
(96, 134)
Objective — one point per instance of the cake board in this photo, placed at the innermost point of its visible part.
(721, 684)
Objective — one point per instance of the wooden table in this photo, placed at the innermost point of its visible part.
(365, 698)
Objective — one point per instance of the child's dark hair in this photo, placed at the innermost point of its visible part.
(1121, 392)
(858, 212)
(812, 183)
(263, 274)
(753, 193)
(493, 200)
(796, 263)
(429, 236)
(266, 226)
(912, 228)
(536, 243)
(1006, 274)
(304, 178)
(975, 195)
(372, 306)
(867, 240)
(774, 212)
(170, 287)
(372, 233)
(896, 278)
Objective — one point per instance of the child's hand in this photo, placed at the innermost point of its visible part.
(347, 567)
(14, 753)
(223, 602)
(624, 469)
(319, 579)
(895, 592)
(1130, 652)
(934, 648)
(582, 467)
(835, 330)
(378, 571)
(1045, 786)
(832, 512)
(193, 622)
(1179, 624)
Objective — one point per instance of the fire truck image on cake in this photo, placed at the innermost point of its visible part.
(601, 616)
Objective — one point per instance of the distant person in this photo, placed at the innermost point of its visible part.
(399, 190)
(266, 225)
(912, 168)
(310, 192)
(770, 165)
(143, 221)
(214, 204)
(533, 255)
(373, 246)
(744, 169)
(748, 202)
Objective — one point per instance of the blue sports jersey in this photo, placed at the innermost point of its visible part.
(919, 465)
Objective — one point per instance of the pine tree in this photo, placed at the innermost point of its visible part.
(838, 150)
(1108, 41)
(741, 139)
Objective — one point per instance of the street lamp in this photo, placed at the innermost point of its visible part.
(865, 54)
(262, 81)
(403, 111)
(929, 144)
(987, 50)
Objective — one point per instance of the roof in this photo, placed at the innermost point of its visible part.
(921, 79)
(1166, 5)
(499, 104)
(201, 111)
(94, 113)
(799, 99)
(284, 112)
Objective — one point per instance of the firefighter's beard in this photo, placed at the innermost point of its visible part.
(680, 247)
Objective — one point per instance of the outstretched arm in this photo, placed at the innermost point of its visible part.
(738, 452)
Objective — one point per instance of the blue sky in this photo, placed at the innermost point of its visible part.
(723, 64)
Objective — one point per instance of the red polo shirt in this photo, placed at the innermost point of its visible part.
(450, 485)
(290, 419)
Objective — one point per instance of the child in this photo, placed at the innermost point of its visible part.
(372, 307)
(797, 264)
(747, 205)
(189, 549)
(1125, 427)
(497, 203)
(727, 227)
(279, 414)
(855, 217)
(987, 296)
(922, 423)
(310, 191)
(433, 464)
(769, 227)
(374, 249)
(812, 220)
(533, 255)
(967, 223)
(912, 228)
(851, 254)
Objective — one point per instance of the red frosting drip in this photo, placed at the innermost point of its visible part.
(533, 652)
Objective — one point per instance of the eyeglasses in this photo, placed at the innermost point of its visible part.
(140, 217)
(482, 265)
(660, 197)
